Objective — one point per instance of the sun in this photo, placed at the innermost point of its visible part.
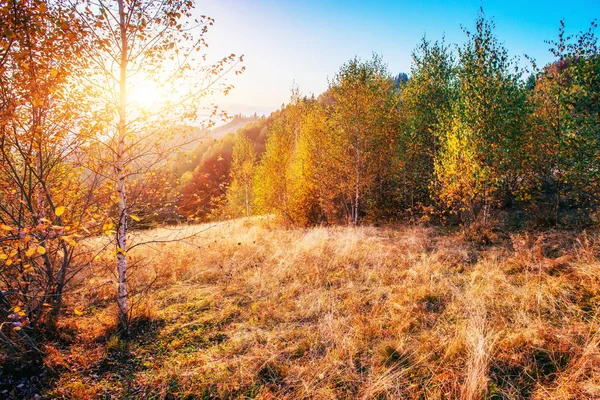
(144, 94)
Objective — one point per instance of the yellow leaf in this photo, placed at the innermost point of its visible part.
(30, 252)
(8, 262)
(59, 211)
(77, 312)
(69, 240)
(17, 309)
(135, 218)
(41, 250)
(3, 256)
(53, 73)
(5, 227)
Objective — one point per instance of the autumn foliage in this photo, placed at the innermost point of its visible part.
(466, 136)
(470, 139)
(77, 158)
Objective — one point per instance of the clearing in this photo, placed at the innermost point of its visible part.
(248, 310)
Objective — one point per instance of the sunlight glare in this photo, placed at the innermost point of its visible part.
(144, 94)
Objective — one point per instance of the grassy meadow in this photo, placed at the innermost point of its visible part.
(420, 226)
(246, 309)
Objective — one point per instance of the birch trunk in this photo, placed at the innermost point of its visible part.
(121, 234)
(357, 183)
(247, 201)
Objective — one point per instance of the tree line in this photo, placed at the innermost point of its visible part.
(468, 134)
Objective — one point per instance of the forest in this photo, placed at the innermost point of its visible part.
(470, 133)
(429, 234)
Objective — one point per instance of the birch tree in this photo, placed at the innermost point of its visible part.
(363, 109)
(565, 146)
(426, 99)
(242, 171)
(480, 157)
(142, 44)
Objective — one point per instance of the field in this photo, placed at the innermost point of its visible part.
(245, 309)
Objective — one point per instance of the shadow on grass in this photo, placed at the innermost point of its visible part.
(540, 366)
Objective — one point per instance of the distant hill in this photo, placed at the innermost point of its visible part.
(202, 172)
(191, 140)
(237, 122)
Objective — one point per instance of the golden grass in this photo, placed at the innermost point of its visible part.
(248, 310)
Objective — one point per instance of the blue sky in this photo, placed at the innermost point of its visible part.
(306, 41)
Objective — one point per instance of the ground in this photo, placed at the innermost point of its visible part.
(246, 309)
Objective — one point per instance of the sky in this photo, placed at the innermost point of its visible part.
(303, 43)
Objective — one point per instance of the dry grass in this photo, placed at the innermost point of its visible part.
(246, 310)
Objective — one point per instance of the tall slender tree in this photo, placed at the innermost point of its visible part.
(426, 100)
(273, 184)
(482, 137)
(242, 171)
(140, 43)
(364, 105)
(566, 146)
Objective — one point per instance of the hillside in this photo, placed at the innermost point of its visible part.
(203, 175)
(246, 310)
(427, 234)
(237, 122)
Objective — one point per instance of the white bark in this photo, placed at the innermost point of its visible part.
(357, 183)
(247, 199)
(121, 234)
